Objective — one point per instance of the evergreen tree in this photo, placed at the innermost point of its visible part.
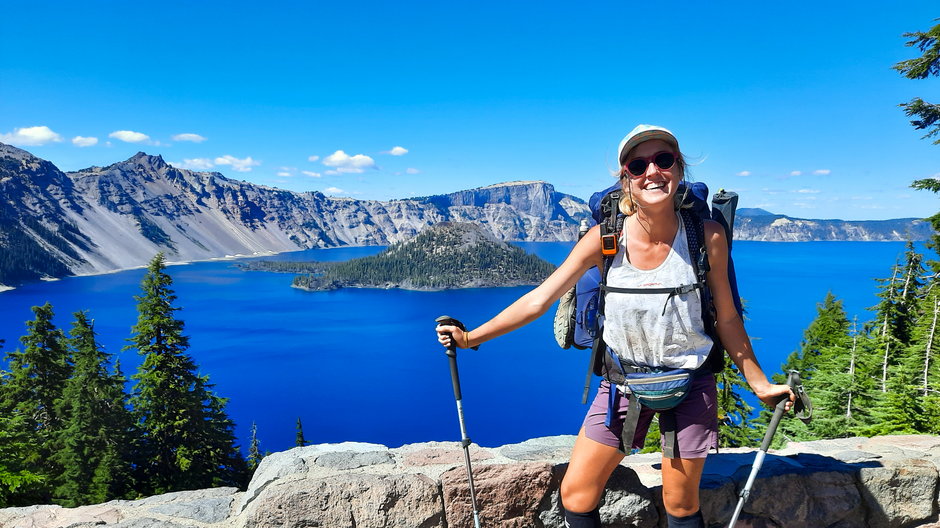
(927, 115)
(300, 440)
(825, 338)
(925, 346)
(31, 394)
(928, 64)
(14, 450)
(734, 422)
(187, 440)
(254, 449)
(896, 314)
(92, 441)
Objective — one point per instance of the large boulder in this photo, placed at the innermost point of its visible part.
(845, 483)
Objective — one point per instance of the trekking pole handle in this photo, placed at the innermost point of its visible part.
(450, 321)
(452, 352)
(793, 380)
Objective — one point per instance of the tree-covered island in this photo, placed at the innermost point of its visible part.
(444, 256)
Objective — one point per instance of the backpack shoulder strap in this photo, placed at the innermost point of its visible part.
(698, 253)
(695, 235)
(611, 224)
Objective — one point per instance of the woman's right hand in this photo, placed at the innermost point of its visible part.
(445, 333)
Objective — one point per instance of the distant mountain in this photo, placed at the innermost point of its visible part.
(100, 219)
(446, 255)
(753, 211)
(781, 228)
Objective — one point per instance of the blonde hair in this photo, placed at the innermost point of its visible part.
(628, 205)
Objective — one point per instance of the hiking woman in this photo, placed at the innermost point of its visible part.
(643, 333)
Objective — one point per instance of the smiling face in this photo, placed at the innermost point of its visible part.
(656, 185)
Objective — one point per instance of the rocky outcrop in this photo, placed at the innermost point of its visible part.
(105, 218)
(780, 228)
(100, 219)
(882, 482)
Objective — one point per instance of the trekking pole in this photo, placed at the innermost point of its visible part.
(465, 440)
(803, 409)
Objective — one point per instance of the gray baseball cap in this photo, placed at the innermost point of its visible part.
(644, 133)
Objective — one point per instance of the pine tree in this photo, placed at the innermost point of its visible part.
(31, 394)
(825, 338)
(927, 114)
(254, 449)
(917, 369)
(300, 440)
(187, 441)
(14, 451)
(734, 422)
(92, 440)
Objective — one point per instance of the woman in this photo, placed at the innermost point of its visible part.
(652, 248)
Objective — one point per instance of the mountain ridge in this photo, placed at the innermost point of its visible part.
(101, 219)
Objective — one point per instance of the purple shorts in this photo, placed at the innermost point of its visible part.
(696, 420)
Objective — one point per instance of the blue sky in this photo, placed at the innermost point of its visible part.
(792, 105)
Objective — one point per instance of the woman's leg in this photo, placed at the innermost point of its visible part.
(681, 478)
(591, 465)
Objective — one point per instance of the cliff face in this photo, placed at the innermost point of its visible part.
(101, 219)
(106, 218)
(780, 228)
(863, 482)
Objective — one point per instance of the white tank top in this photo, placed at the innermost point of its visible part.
(634, 324)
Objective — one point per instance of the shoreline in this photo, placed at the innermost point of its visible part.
(417, 289)
(261, 254)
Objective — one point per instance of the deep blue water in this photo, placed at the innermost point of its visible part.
(364, 365)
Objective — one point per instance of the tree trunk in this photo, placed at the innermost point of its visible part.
(884, 363)
(933, 327)
(884, 333)
(848, 406)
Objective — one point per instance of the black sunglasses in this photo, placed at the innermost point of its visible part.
(664, 160)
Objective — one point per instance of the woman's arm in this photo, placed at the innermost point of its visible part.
(585, 254)
(728, 323)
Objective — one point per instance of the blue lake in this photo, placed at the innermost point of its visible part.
(364, 365)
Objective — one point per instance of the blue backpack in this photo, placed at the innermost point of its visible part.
(579, 321)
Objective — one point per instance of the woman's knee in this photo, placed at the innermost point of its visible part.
(681, 479)
(680, 502)
(578, 495)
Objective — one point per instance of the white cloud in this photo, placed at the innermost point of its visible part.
(313, 158)
(311, 174)
(30, 136)
(410, 170)
(129, 136)
(334, 190)
(744, 173)
(821, 172)
(284, 174)
(82, 141)
(197, 164)
(349, 164)
(195, 138)
(808, 191)
(796, 173)
(397, 151)
(238, 165)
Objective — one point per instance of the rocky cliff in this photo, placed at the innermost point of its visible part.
(855, 482)
(780, 228)
(100, 219)
(106, 218)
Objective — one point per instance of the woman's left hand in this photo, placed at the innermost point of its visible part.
(773, 393)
